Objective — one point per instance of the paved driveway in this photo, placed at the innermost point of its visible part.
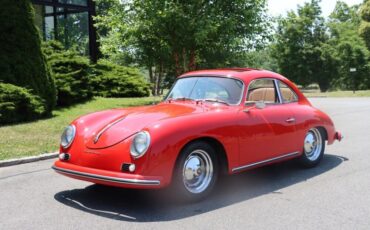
(335, 195)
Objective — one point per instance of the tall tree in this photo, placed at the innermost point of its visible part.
(21, 60)
(170, 37)
(365, 24)
(348, 47)
(299, 47)
(261, 58)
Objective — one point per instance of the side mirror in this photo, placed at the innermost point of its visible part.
(255, 105)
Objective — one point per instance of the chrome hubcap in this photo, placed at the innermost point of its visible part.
(197, 171)
(313, 144)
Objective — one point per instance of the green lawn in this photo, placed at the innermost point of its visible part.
(360, 93)
(42, 136)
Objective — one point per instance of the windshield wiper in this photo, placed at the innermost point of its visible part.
(216, 100)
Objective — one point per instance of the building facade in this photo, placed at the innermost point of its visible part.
(68, 21)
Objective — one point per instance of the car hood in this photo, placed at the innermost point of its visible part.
(107, 128)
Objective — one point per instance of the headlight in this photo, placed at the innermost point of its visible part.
(140, 144)
(68, 136)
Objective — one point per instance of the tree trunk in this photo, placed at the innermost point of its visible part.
(152, 80)
(192, 64)
(177, 63)
(159, 79)
(184, 61)
(323, 86)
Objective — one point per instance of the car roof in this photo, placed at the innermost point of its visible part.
(245, 74)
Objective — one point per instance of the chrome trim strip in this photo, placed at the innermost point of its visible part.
(106, 178)
(278, 91)
(264, 161)
(290, 120)
(106, 128)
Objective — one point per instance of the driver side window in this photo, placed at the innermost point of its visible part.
(262, 90)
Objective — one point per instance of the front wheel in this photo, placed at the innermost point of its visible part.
(313, 148)
(196, 171)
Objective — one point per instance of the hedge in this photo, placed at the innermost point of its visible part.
(77, 80)
(111, 80)
(19, 104)
(71, 72)
(21, 60)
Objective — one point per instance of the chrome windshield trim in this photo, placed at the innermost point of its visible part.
(106, 178)
(264, 161)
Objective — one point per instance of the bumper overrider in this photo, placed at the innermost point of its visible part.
(105, 177)
(338, 136)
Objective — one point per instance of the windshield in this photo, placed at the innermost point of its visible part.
(226, 90)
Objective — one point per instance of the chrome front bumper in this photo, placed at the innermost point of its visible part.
(106, 178)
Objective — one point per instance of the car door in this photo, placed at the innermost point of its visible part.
(265, 133)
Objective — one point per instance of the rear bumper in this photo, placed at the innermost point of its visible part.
(105, 177)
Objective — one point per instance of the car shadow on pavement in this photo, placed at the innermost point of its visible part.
(155, 205)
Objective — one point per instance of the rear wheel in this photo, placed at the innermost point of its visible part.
(313, 148)
(196, 171)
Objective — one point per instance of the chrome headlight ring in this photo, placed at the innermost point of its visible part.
(68, 136)
(140, 144)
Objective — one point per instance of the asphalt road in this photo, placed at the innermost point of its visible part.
(334, 195)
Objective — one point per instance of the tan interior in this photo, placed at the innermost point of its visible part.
(262, 94)
(287, 94)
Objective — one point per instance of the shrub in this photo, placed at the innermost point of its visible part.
(71, 73)
(76, 80)
(111, 80)
(21, 60)
(18, 104)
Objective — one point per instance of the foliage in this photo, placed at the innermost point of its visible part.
(353, 56)
(261, 59)
(365, 24)
(299, 47)
(310, 50)
(172, 37)
(21, 60)
(18, 104)
(111, 80)
(78, 81)
(71, 73)
(349, 48)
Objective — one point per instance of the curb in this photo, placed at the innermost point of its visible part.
(24, 160)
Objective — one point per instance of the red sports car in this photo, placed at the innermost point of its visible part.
(210, 122)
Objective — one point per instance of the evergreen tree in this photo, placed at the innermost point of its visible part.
(21, 60)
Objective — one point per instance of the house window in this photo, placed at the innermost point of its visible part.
(68, 21)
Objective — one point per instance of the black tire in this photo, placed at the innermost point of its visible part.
(312, 158)
(179, 184)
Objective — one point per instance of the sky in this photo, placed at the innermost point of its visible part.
(277, 7)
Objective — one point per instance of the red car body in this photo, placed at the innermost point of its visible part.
(244, 139)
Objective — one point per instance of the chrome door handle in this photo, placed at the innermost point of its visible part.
(290, 120)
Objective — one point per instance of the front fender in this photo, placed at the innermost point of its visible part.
(170, 136)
